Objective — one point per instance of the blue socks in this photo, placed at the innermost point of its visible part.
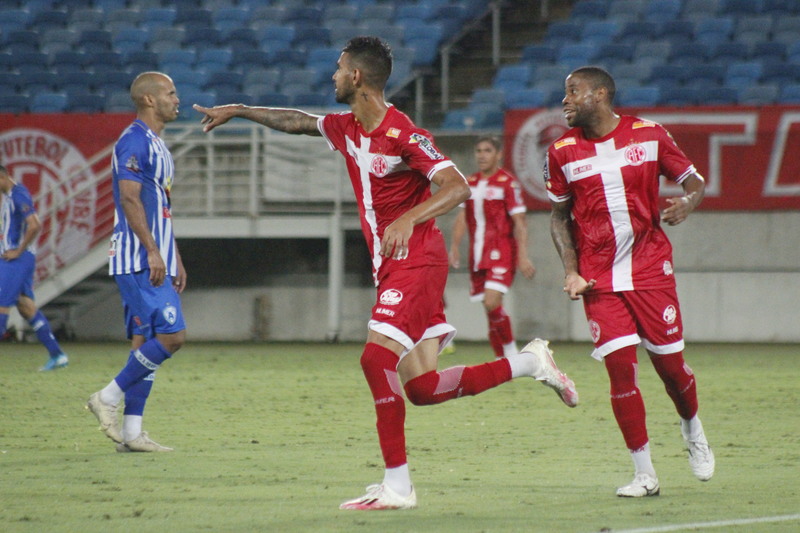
(136, 395)
(3, 324)
(142, 363)
(42, 328)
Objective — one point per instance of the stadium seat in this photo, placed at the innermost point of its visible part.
(92, 41)
(695, 9)
(742, 7)
(286, 59)
(459, 119)
(599, 32)
(128, 40)
(18, 41)
(213, 59)
(277, 99)
(718, 96)
(666, 76)
(790, 94)
(635, 32)
(74, 82)
(339, 14)
(48, 102)
(57, 40)
(525, 98)
(680, 96)
(576, 55)
(86, 103)
(235, 97)
(30, 61)
(639, 96)
(230, 18)
(118, 102)
(653, 50)
(247, 60)
(687, 54)
(193, 17)
(561, 32)
(140, 61)
(240, 39)
(157, 17)
(494, 97)
(753, 29)
(38, 81)
(612, 53)
(510, 77)
(728, 52)
(633, 8)
(14, 103)
(261, 80)
(308, 99)
(220, 82)
(305, 15)
(265, 16)
(586, 10)
(13, 20)
(539, 53)
(10, 83)
(111, 81)
(201, 38)
(106, 61)
(769, 52)
(674, 31)
(743, 73)
(451, 16)
(49, 19)
(660, 10)
(274, 38)
(713, 30)
(704, 76)
(759, 95)
(780, 74)
(119, 19)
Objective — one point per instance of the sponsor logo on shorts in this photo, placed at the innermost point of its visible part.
(594, 330)
(672, 331)
(670, 314)
(668, 268)
(384, 311)
(494, 255)
(170, 314)
(391, 297)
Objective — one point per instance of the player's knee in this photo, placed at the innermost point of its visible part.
(173, 342)
(420, 390)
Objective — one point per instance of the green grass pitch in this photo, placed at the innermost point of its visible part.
(272, 437)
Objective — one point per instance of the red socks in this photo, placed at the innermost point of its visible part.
(380, 368)
(437, 387)
(499, 330)
(626, 398)
(679, 381)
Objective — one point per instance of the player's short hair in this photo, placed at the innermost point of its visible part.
(373, 57)
(491, 139)
(598, 77)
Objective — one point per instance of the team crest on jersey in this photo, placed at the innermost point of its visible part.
(170, 314)
(132, 164)
(670, 314)
(668, 268)
(379, 166)
(391, 297)
(393, 132)
(594, 330)
(635, 155)
(494, 255)
(565, 142)
(643, 124)
(426, 146)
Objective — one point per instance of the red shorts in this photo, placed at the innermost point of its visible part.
(497, 278)
(410, 306)
(626, 318)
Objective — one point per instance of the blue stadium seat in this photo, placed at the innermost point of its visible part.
(30, 61)
(306, 15)
(759, 95)
(38, 81)
(459, 119)
(264, 16)
(725, 53)
(277, 99)
(201, 38)
(261, 80)
(512, 77)
(674, 31)
(72, 82)
(13, 20)
(247, 60)
(633, 8)
(274, 38)
(599, 32)
(586, 10)
(111, 81)
(743, 73)
(635, 32)
(612, 53)
(742, 7)
(539, 53)
(634, 74)
(576, 55)
(695, 9)
(18, 41)
(224, 82)
(286, 59)
(769, 52)
(193, 17)
(308, 99)
(660, 10)
(93, 41)
(170, 58)
(230, 18)
(140, 61)
(128, 40)
(338, 14)
(57, 40)
(525, 98)
(213, 59)
(10, 83)
(308, 37)
(753, 29)
(48, 102)
(638, 96)
(704, 76)
(494, 97)
(653, 50)
(65, 60)
(790, 94)
(687, 54)
(14, 103)
(240, 39)
(118, 19)
(106, 61)
(780, 74)
(158, 17)
(49, 19)
(166, 38)
(560, 32)
(713, 30)
(681, 96)
(383, 12)
(118, 102)
(451, 16)
(298, 80)
(85, 103)
(718, 96)
(666, 76)
(234, 97)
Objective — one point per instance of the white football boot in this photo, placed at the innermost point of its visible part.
(641, 486)
(549, 374)
(381, 498)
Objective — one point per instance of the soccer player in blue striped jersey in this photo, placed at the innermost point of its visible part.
(144, 261)
(19, 227)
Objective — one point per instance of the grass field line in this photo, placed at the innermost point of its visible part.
(716, 523)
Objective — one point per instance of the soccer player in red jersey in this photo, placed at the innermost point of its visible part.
(602, 178)
(391, 163)
(494, 216)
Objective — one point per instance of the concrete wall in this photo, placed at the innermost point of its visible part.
(738, 280)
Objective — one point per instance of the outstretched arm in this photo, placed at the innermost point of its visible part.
(286, 120)
(561, 231)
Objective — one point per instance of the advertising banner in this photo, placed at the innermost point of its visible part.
(64, 160)
(749, 156)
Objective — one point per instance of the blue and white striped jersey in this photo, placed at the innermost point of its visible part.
(141, 155)
(17, 206)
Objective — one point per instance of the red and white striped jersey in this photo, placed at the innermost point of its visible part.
(390, 169)
(613, 184)
(492, 203)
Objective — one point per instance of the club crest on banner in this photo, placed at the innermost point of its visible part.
(530, 149)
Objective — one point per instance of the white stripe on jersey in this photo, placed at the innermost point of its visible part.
(609, 162)
(363, 159)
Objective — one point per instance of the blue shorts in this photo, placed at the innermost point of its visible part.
(149, 310)
(16, 278)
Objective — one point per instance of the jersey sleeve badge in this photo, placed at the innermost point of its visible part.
(132, 164)
(426, 146)
(565, 142)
